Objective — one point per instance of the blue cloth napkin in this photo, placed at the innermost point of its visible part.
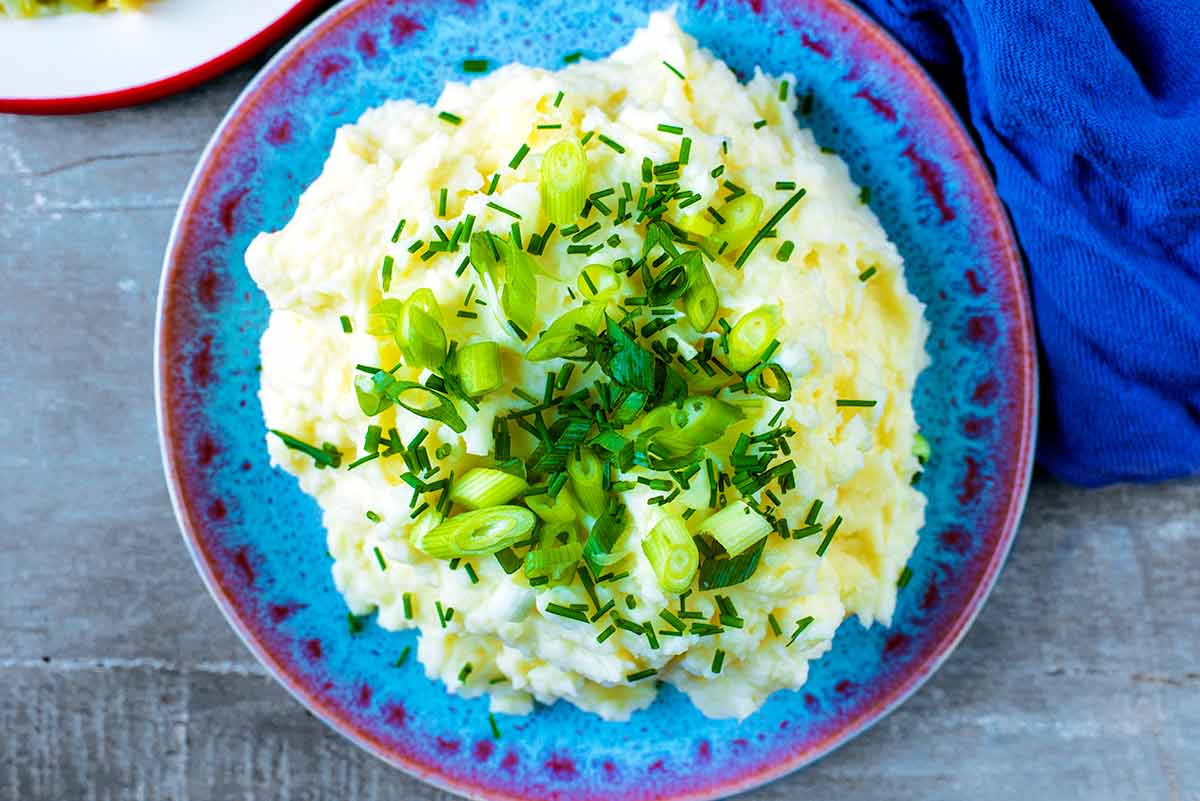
(1089, 114)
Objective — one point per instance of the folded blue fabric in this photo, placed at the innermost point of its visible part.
(1089, 114)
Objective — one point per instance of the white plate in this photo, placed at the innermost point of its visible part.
(85, 62)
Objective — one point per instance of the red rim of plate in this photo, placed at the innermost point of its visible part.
(1014, 491)
(144, 93)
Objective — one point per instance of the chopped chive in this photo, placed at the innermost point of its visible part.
(859, 403)
(399, 228)
(441, 613)
(492, 186)
(785, 185)
(519, 156)
(495, 728)
(677, 72)
(446, 116)
(558, 98)
(465, 672)
(814, 512)
(783, 91)
(806, 105)
(829, 535)
(475, 65)
(806, 531)
(717, 171)
(671, 129)
(760, 124)
(647, 171)
(587, 137)
(571, 58)
(442, 195)
(404, 652)
(648, 672)
(347, 328)
(550, 126)
(771, 223)
(503, 210)
(801, 625)
(386, 271)
(373, 517)
(774, 625)
(470, 571)
(685, 150)
(408, 605)
(828, 151)
(905, 577)
(568, 612)
(467, 315)
(785, 250)
(415, 246)
(354, 623)
(614, 145)
(866, 274)
(379, 558)
(718, 661)
(604, 635)
(864, 195)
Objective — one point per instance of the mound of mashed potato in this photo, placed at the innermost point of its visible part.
(850, 330)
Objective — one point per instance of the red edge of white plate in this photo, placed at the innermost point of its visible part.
(154, 90)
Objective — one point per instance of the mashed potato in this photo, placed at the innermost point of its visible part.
(850, 330)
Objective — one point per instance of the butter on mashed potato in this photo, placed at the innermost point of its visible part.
(849, 331)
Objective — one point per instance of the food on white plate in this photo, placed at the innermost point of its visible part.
(38, 8)
(602, 378)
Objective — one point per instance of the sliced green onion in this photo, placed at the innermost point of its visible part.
(598, 282)
(739, 216)
(488, 254)
(602, 539)
(371, 394)
(478, 367)
(420, 334)
(672, 553)
(482, 487)
(921, 449)
(562, 337)
(383, 319)
(444, 410)
(736, 527)
(717, 573)
(699, 420)
(752, 335)
(771, 380)
(587, 480)
(564, 181)
(700, 299)
(518, 299)
(559, 509)
(475, 533)
(553, 561)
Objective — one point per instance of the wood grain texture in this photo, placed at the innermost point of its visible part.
(120, 680)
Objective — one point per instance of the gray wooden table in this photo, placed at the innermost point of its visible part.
(120, 680)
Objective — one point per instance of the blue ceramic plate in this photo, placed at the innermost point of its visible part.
(258, 540)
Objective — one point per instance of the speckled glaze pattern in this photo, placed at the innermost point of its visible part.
(259, 543)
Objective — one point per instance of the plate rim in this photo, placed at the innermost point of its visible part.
(1025, 363)
(137, 94)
